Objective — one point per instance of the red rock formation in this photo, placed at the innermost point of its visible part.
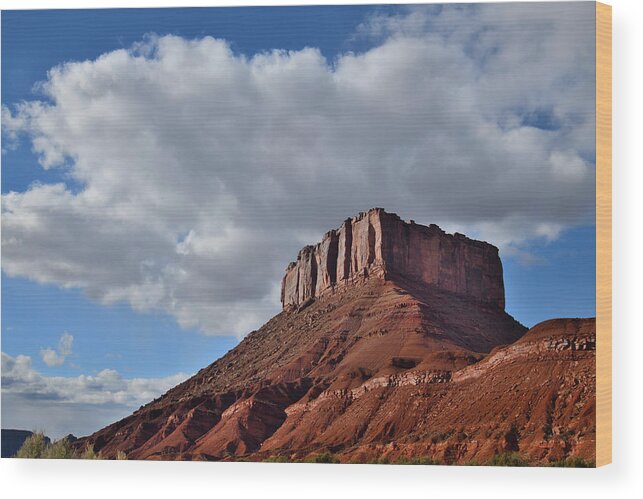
(377, 243)
(535, 397)
(390, 367)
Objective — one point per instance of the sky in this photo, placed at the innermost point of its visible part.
(160, 168)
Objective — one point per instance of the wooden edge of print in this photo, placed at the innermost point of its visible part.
(603, 234)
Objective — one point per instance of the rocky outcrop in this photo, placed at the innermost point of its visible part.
(535, 397)
(377, 243)
(420, 361)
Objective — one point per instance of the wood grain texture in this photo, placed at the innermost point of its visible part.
(603, 234)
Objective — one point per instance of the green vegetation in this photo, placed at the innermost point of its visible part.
(61, 449)
(276, 459)
(573, 462)
(508, 459)
(37, 447)
(323, 458)
(89, 453)
(424, 461)
(504, 459)
(34, 447)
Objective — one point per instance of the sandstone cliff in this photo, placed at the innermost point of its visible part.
(403, 350)
(381, 244)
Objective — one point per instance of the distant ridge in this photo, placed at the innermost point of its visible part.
(12, 440)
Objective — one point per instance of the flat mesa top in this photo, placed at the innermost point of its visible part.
(381, 244)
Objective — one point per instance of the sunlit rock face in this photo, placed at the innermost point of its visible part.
(380, 244)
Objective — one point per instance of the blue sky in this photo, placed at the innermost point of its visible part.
(34, 315)
(419, 110)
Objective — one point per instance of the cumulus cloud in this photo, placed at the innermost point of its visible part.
(195, 174)
(51, 357)
(57, 357)
(79, 405)
(107, 387)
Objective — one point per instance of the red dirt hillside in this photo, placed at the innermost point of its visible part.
(389, 346)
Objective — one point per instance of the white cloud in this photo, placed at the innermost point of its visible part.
(53, 357)
(107, 387)
(65, 343)
(79, 405)
(197, 173)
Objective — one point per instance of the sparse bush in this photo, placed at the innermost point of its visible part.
(34, 447)
(573, 462)
(276, 459)
(324, 458)
(37, 446)
(508, 459)
(89, 453)
(61, 449)
(121, 456)
(424, 461)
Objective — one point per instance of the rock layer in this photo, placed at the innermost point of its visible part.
(377, 243)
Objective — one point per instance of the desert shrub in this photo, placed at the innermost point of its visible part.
(508, 459)
(425, 461)
(323, 458)
(416, 461)
(61, 449)
(37, 446)
(276, 459)
(34, 447)
(89, 453)
(573, 462)
(121, 456)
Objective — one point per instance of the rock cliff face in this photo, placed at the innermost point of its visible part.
(381, 244)
(414, 357)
